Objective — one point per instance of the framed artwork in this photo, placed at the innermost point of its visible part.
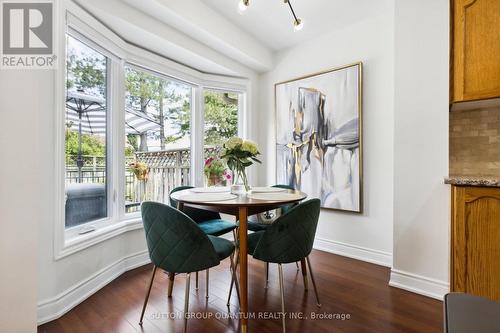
(319, 136)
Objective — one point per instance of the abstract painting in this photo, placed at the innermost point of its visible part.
(318, 136)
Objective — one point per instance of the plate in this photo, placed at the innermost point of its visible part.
(267, 189)
(275, 196)
(215, 189)
(207, 197)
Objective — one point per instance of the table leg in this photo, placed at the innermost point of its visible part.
(243, 212)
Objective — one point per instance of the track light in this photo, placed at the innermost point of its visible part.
(243, 5)
(298, 24)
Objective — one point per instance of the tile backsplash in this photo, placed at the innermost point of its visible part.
(475, 142)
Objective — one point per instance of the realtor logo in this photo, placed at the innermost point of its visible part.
(27, 35)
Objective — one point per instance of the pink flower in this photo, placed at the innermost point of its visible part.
(208, 161)
(228, 175)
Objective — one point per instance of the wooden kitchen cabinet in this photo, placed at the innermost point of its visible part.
(475, 241)
(475, 49)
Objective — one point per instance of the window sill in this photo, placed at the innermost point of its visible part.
(78, 243)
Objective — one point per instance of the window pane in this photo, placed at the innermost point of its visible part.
(86, 129)
(221, 117)
(158, 137)
(221, 123)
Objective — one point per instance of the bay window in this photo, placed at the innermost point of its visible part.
(136, 125)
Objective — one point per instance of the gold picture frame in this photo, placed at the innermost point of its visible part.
(292, 87)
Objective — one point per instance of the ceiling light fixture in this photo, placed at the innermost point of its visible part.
(243, 5)
(298, 23)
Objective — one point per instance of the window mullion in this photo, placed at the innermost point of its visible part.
(118, 133)
(197, 136)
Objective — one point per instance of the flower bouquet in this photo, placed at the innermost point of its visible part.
(216, 172)
(240, 154)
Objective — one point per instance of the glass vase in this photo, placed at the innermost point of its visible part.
(240, 183)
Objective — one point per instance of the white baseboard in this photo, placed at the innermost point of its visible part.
(57, 306)
(353, 251)
(419, 284)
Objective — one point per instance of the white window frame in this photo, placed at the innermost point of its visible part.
(87, 29)
(121, 193)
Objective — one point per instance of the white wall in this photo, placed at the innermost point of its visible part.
(367, 236)
(421, 200)
(20, 191)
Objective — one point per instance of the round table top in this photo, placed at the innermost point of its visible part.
(247, 200)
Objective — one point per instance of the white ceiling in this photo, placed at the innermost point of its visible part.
(271, 22)
(213, 37)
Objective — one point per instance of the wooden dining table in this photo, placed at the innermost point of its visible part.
(241, 206)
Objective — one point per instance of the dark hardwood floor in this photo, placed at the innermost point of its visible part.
(353, 290)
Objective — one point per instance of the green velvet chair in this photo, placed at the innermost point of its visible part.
(177, 244)
(209, 222)
(254, 225)
(289, 239)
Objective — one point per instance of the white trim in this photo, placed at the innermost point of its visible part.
(353, 251)
(197, 136)
(60, 168)
(118, 149)
(419, 284)
(53, 308)
(84, 241)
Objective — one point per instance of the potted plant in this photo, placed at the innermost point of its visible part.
(140, 170)
(240, 154)
(216, 172)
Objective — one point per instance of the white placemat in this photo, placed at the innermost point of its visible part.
(208, 197)
(267, 189)
(280, 196)
(214, 189)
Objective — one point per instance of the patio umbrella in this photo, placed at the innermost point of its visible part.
(86, 114)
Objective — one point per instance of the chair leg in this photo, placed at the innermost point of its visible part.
(234, 278)
(207, 282)
(196, 282)
(282, 290)
(304, 273)
(186, 301)
(171, 277)
(267, 274)
(297, 264)
(147, 295)
(318, 303)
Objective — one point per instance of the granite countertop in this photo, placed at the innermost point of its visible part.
(489, 181)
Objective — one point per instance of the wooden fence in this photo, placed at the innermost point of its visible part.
(167, 170)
